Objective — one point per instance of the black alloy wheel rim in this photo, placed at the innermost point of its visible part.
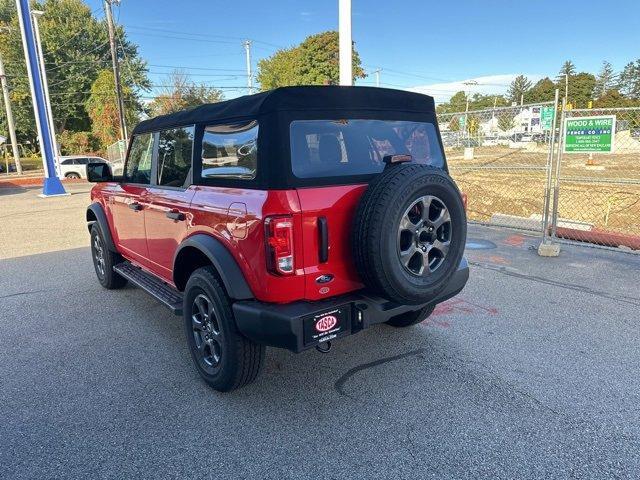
(98, 255)
(206, 332)
(424, 236)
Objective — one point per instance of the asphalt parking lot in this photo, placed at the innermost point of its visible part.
(532, 372)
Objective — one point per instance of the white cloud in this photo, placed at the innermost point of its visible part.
(487, 85)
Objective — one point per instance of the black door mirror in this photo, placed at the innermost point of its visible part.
(99, 172)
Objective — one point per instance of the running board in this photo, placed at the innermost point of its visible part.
(151, 284)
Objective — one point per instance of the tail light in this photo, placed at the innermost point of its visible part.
(279, 238)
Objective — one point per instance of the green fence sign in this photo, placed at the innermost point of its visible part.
(546, 118)
(589, 134)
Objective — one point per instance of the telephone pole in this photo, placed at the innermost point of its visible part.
(116, 67)
(247, 49)
(10, 125)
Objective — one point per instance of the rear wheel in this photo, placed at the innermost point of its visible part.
(411, 318)
(72, 175)
(223, 357)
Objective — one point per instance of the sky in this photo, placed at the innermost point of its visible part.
(424, 45)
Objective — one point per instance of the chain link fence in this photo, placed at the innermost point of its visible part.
(597, 182)
(116, 154)
(501, 159)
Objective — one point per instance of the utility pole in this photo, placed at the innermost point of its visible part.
(247, 50)
(116, 67)
(377, 73)
(345, 42)
(10, 124)
(35, 14)
(52, 185)
(468, 84)
(566, 86)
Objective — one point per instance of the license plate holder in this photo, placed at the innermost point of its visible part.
(327, 325)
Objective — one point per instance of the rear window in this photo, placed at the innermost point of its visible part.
(338, 148)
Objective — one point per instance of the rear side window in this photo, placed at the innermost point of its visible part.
(67, 162)
(338, 148)
(230, 151)
(175, 151)
(138, 167)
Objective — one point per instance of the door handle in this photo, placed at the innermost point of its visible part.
(175, 215)
(135, 206)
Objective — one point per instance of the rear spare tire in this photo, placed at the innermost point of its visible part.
(410, 232)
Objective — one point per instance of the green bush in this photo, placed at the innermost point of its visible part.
(78, 143)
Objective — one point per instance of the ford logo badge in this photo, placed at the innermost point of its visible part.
(326, 278)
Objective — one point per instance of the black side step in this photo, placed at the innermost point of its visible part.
(152, 285)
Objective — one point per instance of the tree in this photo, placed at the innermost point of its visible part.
(543, 91)
(629, 80)
(611, 99)
(314, 62)
(182, 93)
(581, 88)
(454, 123)
(76, 49)
(605, 80)
(518, 88)
(102, 108)
(567, 69)
(506, 120)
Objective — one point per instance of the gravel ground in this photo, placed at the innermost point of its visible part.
(532, 372)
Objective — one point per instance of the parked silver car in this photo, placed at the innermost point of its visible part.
(75, 166)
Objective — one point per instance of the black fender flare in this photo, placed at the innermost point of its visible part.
(222, 260)
(95, 213)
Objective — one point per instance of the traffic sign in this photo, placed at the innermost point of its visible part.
(546, 117)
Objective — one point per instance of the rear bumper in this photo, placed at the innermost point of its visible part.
(283, 326)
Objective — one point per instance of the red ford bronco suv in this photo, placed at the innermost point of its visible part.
(289, 218)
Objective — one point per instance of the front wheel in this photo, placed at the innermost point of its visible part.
(104, 260)
(223, 357)
(409, 319)
(72, 176)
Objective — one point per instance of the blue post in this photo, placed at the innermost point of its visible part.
(52, 184)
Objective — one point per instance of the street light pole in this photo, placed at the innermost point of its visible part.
(116, 67)
(377, 72)
(52, 185)
(247, 49)
(35, 14)
(11, 126)
(345, 42)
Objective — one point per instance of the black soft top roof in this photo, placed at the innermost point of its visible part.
(303, 98)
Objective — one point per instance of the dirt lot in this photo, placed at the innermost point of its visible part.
(532, 372)
(512, 182)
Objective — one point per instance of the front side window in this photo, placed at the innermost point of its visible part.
(230, 151)
(338, 148)
(138, 167)
(175, 150)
